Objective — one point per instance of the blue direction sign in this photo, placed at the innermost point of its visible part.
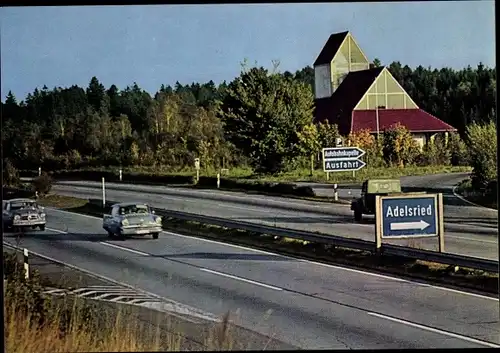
(409, 216)
(343, 165)
(336, 153)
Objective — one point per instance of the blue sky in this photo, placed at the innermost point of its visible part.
(62, 46)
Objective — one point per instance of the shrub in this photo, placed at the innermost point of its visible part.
(457, 148)
(399, 147)
(10, 174)
(435, 153)
(42, 184)
(482, 141)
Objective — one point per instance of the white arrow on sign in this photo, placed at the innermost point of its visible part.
(409, 225)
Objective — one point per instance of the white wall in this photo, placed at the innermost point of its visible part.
(322, 81)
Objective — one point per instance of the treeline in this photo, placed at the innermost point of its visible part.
(261, 119)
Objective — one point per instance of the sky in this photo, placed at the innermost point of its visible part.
(162, 44)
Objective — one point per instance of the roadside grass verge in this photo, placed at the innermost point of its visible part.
(36, 322)
(486, 197)
(400, 266)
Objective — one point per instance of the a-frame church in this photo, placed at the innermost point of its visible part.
(353, 94)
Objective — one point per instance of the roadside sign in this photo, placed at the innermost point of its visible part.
(338, 142)
(409, 216)
(344, 165)
(342, 159)
(336, 153)
(197, 163)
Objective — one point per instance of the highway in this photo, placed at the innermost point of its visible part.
(469, 230)
(302, 303)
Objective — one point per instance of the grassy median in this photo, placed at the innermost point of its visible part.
(401, 266)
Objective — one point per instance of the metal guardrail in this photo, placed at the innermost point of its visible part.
(426, 255)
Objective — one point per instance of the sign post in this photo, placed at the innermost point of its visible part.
(197, 166)
(409, 216)
(103, 194)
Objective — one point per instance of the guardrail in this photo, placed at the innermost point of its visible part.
(358, 244)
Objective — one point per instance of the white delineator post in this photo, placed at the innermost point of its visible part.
(218, 180)
(39, 171)
(335, 192)
(26, 264)
(120, 175)
(103, 194)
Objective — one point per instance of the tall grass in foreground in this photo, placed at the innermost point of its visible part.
(41, 323)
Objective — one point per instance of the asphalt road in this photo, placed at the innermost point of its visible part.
(301, 303)
(469, 230)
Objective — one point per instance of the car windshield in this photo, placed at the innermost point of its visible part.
(14, 206)
(134, 209)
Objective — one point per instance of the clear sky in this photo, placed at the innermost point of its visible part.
(62, 46)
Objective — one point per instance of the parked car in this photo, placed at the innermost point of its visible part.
(23, 213)
(132, 219)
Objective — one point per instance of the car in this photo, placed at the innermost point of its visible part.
(22, 213)
(132, 219)
(369, 190)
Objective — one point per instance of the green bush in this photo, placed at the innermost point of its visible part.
(482, 141)
(10, 174)
(42, 184)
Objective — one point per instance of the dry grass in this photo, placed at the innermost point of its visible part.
(24, 332)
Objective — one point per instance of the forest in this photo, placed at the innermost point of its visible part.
(262, 119)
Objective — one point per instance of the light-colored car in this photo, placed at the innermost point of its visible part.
(23, 213)
(132, 219)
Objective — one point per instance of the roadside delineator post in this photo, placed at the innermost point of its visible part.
(39, 171)
(120, 175)
(26, 264)
(335, 192)
(218, 180)
(103, 194)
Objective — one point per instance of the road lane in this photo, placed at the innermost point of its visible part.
(313, 306)
(465, 234)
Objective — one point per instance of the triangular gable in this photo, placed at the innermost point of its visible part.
(386, 83)
(331, 48)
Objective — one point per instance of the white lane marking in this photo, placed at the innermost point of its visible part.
(457, 195)
(57, 230)
(241, 279)
(431, 329)
(312, 262)
(124, 249)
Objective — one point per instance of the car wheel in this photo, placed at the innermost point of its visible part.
(358, 216)
(42, 227)
(110, 234)
(155, 235)
(121, 236)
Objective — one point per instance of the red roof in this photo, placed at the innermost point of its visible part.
(415, 120)
(331, 48)
(337, 109)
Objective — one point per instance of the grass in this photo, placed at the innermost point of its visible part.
(465, 278)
